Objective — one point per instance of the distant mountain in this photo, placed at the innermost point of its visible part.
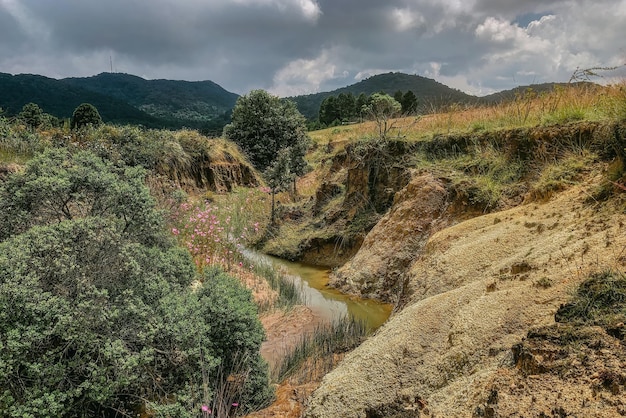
(128, 99)
(428, 92)
(198, 101)
(123, 99)
(60, 99)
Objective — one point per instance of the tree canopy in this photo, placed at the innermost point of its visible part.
(85, 114)
(272, 133)
(382, 108)
(263, 124)
(32, 115)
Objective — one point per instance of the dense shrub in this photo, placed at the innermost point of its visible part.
(85, 115)
(58, 186)
(98, 315)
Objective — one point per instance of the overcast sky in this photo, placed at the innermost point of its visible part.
(292, 47)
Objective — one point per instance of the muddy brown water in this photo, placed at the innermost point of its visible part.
(330, 303)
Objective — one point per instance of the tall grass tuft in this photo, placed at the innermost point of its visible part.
(319, 352)
(289, 293)
(599, 300)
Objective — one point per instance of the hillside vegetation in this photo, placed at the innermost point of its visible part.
(429, 92)
(477, 223)
(124, 99)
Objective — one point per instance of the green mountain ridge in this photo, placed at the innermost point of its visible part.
(123, 99)
(128, 99)
(184, 100)
(428, 92)
(60, 99)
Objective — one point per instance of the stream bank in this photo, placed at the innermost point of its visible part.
(322, 305)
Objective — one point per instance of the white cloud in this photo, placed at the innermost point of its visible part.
(304, 76)
(499, 31)
(309, 9)
(405, 19)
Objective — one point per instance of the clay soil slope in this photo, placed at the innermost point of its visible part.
(476, 290)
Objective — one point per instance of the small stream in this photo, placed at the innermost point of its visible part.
(329, 302)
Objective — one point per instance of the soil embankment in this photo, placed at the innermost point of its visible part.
(477, 289)
(484, 237)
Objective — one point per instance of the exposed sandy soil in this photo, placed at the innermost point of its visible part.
(476, 290)
(377, 270)
(560, 371)
(289, 403)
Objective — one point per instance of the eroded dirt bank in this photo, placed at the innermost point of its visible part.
(477, 289)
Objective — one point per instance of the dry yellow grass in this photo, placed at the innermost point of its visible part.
(589, 102)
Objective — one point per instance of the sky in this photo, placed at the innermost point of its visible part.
(293, 47)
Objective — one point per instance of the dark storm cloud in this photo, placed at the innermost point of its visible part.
(302, 46)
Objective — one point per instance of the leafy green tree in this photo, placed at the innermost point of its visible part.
(346, 104)
(32, 116)
(263, 124)
(398, 96)
(278, 177)
(84, 115)
(361, 102)
(329, 111)
(409, 103)
(383, 108)
(96, 308)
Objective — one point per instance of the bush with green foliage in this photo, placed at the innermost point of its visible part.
(97, 309)
(84, 115)
(32, 116)
(382, 108)
(263, 124)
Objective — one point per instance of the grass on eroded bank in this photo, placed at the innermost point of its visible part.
(319, 352)
(599, 300)
(562, 105)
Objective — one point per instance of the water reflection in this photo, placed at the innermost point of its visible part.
(331, 302)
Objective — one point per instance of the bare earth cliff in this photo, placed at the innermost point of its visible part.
(474, 331)
(476, 291)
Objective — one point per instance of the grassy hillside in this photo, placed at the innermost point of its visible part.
(355, 175)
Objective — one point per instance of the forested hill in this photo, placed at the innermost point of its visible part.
(60, 99)
(123, 99)
(204, 105)
(166, 99)
(427, 91)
